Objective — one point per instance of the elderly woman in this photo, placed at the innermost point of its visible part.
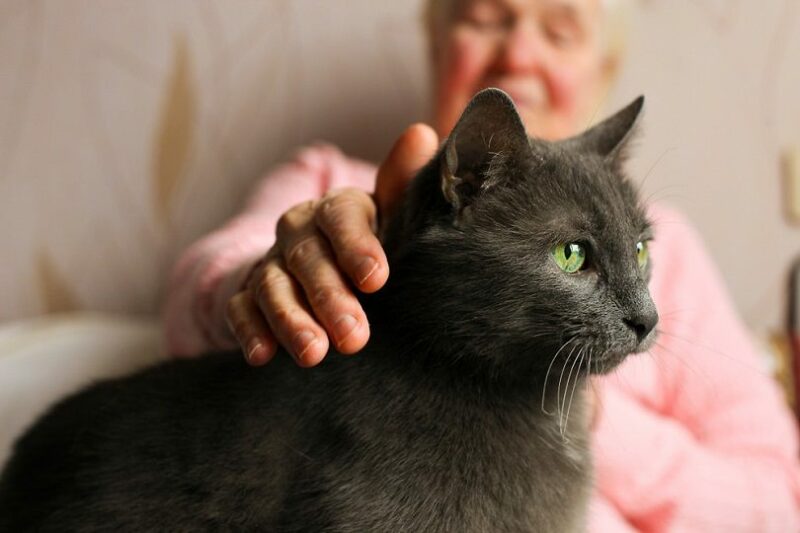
(691, 438)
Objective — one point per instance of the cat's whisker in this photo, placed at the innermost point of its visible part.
(671, 312)
(547, 374)
(660, 195)
(563, 405)
(661, 363)
(561, 377)
(582, 356)
(652, 167)
(589, 364)
(563, 402)
(678, 357)
(745, 364)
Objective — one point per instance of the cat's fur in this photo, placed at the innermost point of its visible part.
(451, 419)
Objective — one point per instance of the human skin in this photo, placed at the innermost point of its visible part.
(546, 54)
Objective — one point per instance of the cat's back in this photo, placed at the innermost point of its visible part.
(175, 447)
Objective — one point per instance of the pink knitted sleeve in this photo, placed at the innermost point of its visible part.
(603, 517)
(695, 436)
(213, 269)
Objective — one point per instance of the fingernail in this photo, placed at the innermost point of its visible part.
(302, 342)
(365, 269)
(343, 327)
(252, 348)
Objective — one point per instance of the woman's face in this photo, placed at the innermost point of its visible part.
(546, 54)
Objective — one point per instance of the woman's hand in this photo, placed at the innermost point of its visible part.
(298, 295)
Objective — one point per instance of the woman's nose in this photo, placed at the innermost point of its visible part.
(523, 49)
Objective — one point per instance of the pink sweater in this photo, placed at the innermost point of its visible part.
(694, 437)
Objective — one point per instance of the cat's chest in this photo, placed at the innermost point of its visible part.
(466, 469)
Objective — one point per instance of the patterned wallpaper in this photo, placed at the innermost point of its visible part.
(127, 129)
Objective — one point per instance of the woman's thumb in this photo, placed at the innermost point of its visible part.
(415, 147)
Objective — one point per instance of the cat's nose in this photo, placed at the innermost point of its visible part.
(642, 323)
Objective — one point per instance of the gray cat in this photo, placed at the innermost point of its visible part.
(518, 268)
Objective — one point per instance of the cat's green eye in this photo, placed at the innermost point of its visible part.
(642, 253)
(570, 257)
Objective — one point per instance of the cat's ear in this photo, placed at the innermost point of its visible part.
(608, 139)
(489, 132)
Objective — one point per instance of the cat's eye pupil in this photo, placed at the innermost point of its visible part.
(568, 252)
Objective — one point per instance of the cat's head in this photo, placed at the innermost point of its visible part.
(515, 250)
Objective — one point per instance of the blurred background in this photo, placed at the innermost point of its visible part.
(128, 129)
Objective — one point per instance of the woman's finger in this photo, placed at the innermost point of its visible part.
(308, 257)
(412, 150)
(250, 329)
(282, 303)
(347, 218)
